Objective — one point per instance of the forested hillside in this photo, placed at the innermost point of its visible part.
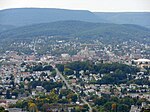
(79, 29)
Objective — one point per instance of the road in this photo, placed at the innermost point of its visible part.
(62, 77)
(69, 87)
(90, 108)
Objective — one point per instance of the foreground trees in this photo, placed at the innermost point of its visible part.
(33, 107)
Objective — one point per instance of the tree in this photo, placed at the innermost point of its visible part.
(68, 71)
(53, 97)
(85, 108)
(60, 67)
(53, 73)
(2, 109)
(32, 107)
(63, 101)
(8, 96)
(15, 92)
(19, 104)
(127, 101)
(114, 107)
(100, 101)
(101, 109)
(73, 97)
(43, 74)
(123, 108)
(108, 106)
(47, 67)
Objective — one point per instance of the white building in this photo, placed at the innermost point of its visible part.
(142, 62)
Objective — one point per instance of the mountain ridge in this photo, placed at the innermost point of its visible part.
(28, 16)
(79, 29)
(138, 18)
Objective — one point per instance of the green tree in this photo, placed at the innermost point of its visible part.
(108, 106)
(53, 97)
(68, 71)
(60, 67)
(2, 109)
(123, 108)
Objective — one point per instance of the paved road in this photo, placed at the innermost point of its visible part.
(62, 77)
(90, 108)
(69, 87)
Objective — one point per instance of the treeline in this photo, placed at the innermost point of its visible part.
(37, 67)
(111, 73)
(48, 85)
(97, 68)
(109, 103)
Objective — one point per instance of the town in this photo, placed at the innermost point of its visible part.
(71, 75)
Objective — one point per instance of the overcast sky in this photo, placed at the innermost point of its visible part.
(92, 5)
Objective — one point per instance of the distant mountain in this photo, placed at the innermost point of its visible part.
(138, 18)
(28, 16)
(105, 31)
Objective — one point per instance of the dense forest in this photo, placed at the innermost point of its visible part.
(104, 31)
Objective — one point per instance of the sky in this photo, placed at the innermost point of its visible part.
(92, 5)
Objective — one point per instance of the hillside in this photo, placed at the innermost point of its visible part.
(139, 18)
(80, 29)
(5, 27)
(28, 16)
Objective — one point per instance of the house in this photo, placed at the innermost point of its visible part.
(39, 88)
(142, 62)
(135, 109)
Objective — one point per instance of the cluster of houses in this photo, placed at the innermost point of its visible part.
(81, 83)
(12, 75)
